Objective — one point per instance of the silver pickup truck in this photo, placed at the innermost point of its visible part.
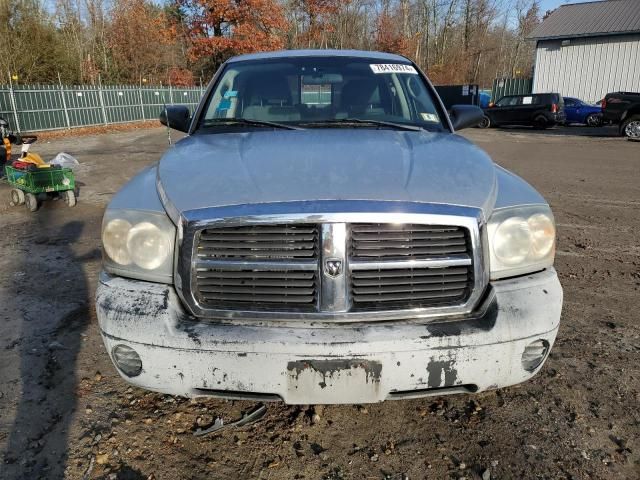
(322, 235)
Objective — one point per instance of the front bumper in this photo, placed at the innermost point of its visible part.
(314, 364)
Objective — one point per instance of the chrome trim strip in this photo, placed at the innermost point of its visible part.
(321, 211)
(443, 262)
(334, 289)
(169, 207)
(204, 264)
(330, 211)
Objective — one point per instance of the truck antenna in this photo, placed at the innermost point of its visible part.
(166, 115)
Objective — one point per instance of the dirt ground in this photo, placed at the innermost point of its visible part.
(65, 413)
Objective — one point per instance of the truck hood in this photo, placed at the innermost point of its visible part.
(218, 170)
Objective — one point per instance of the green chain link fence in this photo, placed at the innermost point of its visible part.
(30, 108)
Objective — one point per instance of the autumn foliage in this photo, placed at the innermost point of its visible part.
(180, 77)
(316, 18)
(135, 38)
(184, 41)
(221, 28)
(388, 38)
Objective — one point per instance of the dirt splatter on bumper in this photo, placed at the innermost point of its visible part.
(312, 364)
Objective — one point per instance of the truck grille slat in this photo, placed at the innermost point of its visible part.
(257, 275)
(396, 297)
(252, 283)
(266, 300)
(383, 289)
(402, 273)
(406, 235)
(378, 228)
(410, 251)
(258, 236)
(256, 244)
(408, 243)
(262, 230)
(252, 290)
(403, 280)
(257, 252)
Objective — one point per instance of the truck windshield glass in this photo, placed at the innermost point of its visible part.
(317, 92)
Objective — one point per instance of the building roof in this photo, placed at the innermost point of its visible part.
(321, 53)
(610, 17)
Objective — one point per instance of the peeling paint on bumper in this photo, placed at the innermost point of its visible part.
(314, 364)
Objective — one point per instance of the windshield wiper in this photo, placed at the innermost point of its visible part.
(360, 121)
(246, 121)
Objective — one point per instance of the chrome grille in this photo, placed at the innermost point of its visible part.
(412, 241)
(332, 266)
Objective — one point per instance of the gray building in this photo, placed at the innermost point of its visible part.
(586, 50)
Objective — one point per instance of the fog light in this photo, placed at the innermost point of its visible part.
(534, 354)
(127, 360)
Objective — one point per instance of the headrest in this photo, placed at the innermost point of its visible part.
(361, 92)
(269, 90)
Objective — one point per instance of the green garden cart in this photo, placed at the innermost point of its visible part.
(33, 181)
(32, 186)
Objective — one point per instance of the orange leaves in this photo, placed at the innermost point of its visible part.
(388, 37)
(221, 28)
(136, 38)
(180, 77)
(322, 7)
(319, 18)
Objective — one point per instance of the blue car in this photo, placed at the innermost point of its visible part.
(578, 111)
(485, 99)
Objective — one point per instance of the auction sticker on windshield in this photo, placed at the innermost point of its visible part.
(392, 68)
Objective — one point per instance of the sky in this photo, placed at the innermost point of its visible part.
(551, 4)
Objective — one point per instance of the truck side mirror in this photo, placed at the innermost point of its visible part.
(464, 116)
(177, 117)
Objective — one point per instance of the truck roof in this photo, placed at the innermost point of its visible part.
(320, 53)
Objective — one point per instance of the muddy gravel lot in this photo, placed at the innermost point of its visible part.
(65, 413)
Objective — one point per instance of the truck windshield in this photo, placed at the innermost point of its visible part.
(321, 92)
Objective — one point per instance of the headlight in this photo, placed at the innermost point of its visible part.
(139, 244)
(114, 239)
(521, 240)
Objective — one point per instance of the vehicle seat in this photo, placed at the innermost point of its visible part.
(361, 98)
(270, 100)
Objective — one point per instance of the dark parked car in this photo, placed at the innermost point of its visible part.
(541, 110)
(578, 111)
(623, 108)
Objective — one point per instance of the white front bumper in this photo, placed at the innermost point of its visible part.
(314, 364)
